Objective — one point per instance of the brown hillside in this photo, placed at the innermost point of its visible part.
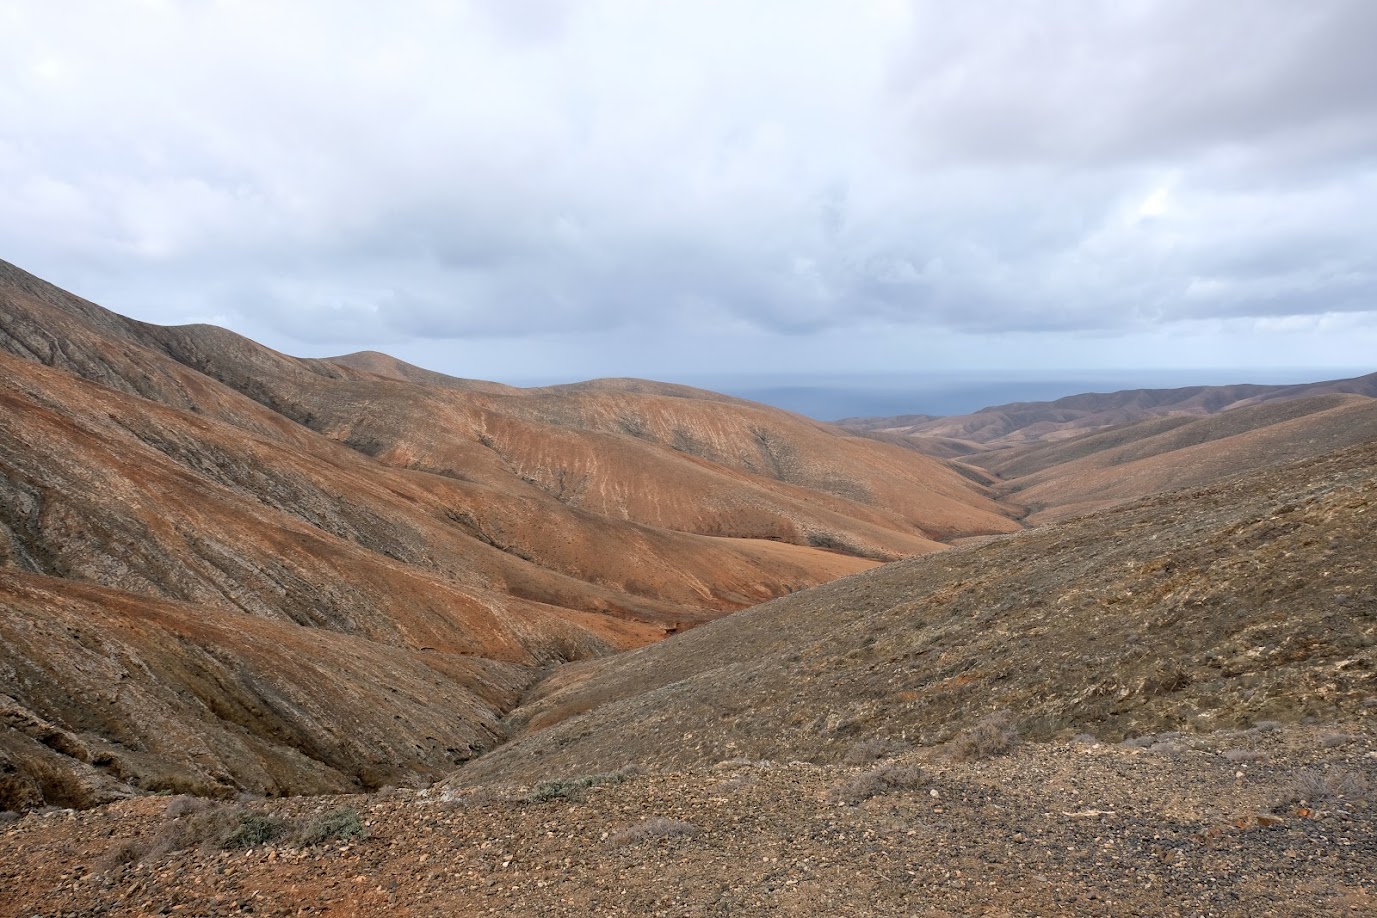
(1060, 479)
(1022, 423)
(1197, 610)
(206, 474)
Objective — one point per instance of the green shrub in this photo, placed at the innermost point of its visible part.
(340, 825)
(571, 788)
(256, 829)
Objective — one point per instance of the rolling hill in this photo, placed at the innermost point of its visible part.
(191, 516)
(1022, 423)
(1202, 609)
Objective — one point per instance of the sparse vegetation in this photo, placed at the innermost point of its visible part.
(653, 829)
(343, 824)
(994, 734)
(193, 823)
(1244, 756)
(1311, 785)
(872, 750)
(255, 829)
(571, 787)
(888, 778)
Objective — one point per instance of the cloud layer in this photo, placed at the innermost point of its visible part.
(333, 175)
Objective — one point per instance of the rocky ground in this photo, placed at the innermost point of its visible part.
(1271, 820)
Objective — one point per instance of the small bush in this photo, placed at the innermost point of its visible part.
(887, 779)
(1310, 785)
(9, 816)
(1244, 756)
(255, 830)
(872, 750)
(994, 734)
(570, 788)
(185, 805)
(341, 825)
(1334, 740)
(192, 823)
(653, 829)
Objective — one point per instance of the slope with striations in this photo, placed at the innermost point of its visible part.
(1197, 610)
(214, 514)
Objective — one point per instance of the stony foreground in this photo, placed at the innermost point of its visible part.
(1266, 821)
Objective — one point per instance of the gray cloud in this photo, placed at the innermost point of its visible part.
(318, 175)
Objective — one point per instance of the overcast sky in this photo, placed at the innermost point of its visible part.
(537, 189)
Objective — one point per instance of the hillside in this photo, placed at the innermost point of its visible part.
(1188, 681)
(165, 485)
(1062, 478)
(1252, 599)
(1022, 423)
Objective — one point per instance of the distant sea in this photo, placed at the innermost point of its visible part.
(830, 398)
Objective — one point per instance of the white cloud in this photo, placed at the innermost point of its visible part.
(331, 174)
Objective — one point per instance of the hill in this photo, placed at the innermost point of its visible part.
(164, 490)
(1252, 599)
(1022, 423)
(1195, 670)
(1061, 478)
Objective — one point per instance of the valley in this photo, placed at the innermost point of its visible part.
(631, 647)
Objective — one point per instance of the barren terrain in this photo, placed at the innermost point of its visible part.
(159, 487)
(463, 620)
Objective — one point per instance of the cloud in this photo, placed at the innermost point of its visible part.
(328, 174)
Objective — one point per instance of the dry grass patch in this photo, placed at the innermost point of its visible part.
(888, 778)
(994, 734)
(652, 829)
(571, 788)
(192, 823)
(1311, 785)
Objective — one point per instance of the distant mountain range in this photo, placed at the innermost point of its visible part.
(1020, 423)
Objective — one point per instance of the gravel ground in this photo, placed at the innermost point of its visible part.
(1173, 824)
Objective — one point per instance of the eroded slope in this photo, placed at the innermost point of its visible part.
(1196, 610)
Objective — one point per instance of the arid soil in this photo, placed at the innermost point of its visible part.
(1269, 820)
(437, 605)
(1197, 610)
(1065, 478)
(1022, 423)
(160, 487)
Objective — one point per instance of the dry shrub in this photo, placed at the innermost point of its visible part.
(872, 750)
(190, 823)
(1334, 740)
(343, 824)
(571, 788)
(1244, 756)
(1310, 785)
(653, 829)
(994, 734)
(888, 778)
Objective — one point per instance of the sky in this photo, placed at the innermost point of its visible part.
(541, 190)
